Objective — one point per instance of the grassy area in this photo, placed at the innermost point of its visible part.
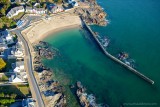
(22, 91)
(8, 66)
(3, 78)
(17, 17)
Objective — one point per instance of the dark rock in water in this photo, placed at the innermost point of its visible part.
(44, 50)
(72, 86)
(87, 100)
(79, 85)
(38, 68)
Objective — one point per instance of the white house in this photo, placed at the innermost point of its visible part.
(22, 77)
(3, 33)
(17, 51)
(29, 9)
(70, 1)
(18, 66)
(15, 11)
(39, 10)
(6, 37)
(57, 9)
(3, 46)
(73, 3)
(9, 39)
(35, 10)
(29, 102)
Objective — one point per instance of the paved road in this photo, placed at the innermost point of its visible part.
(28, 59)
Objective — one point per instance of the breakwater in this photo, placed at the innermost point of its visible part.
(116, 59)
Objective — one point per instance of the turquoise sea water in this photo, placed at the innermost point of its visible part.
(134, 28)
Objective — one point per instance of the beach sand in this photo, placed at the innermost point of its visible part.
(38, 31)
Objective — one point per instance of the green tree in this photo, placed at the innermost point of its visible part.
(6, 101)
(2, 11)
(2, 94)
(7, 95)
(4, 1)
(13, 96)
(6, 22)
(44, 5)
(57, 1)
(2, 64)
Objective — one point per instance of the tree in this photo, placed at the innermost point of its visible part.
(13, 96)
(2, 94)
(4, 1)
(7, 23)
(7, 95)
(2, 64)
(44, 5)
(6, 101)
(58, 1)
(2, 12)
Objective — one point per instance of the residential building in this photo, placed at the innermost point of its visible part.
(55, 8)
(70, 1)
(39, 10)
(73, 3)
(29, 102)
(18, 66)
(3, 33)
(15, 11)
(18, 77)
(35, 10)
(3, 47)
(6, 37)
(18, 1)
(16, 51)
(29, 9)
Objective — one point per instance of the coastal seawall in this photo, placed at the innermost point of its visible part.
(115, 59)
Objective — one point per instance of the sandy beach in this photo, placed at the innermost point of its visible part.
(40, 30)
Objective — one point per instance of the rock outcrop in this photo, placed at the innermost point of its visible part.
(92, 14)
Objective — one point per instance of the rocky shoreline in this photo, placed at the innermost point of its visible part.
(91, 13)
(85, 99)
(51, 90)
(42, 50)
